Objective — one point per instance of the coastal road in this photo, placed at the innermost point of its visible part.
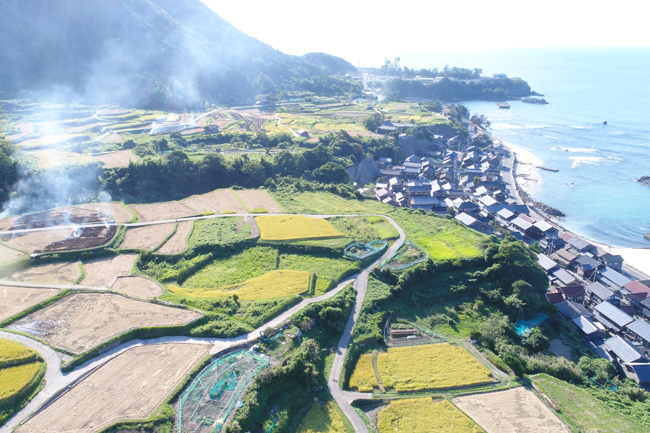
(58, 382)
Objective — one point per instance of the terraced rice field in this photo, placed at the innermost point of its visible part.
(52, 158)
(178, 242)
(198, 204)
(146, 238)
(121, 158)
(274, 284)
(14, 300)
(515, 410)
(14, 379)
(224, 201)
(424, 415)
(363, 377)
(116, 211)
(322, 418)
(128, 387)
(37, 241)
(137, 286)
(162, 211)
(102, 272)
(81, 321)
(258, 198)
(53, 273)
(9, 254)
(292, 227)
(12, 351)
(48, 140)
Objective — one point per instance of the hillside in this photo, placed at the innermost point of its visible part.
(150, 53)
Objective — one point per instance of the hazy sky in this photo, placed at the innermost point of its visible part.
(367, 31)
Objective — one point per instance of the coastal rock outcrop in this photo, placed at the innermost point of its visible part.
(539, 101)
(542, 207)
(644, 180)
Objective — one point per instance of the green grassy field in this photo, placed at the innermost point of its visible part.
(366, 228)
(218, 231)
(584, 412)
(327, 269)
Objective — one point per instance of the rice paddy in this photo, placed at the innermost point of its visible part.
(290, 227)
(424, 415)
(15, 379)
(12, 351)
(363, 378)
(322, 418)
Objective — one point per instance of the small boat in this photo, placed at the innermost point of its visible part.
(504, 106)
(605, 122)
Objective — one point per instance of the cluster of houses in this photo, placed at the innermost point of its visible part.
(607, 307)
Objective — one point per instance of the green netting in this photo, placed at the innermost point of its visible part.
(211, 397)
(407, 255)
(363, 250)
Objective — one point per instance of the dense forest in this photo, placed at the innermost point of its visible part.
(448, 90)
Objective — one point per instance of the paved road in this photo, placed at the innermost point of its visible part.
(50, 286)
(58, 382)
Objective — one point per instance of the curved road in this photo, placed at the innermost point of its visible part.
(58, 382)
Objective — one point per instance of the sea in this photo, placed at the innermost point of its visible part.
(597, 163)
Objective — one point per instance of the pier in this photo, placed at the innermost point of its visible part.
(555, 170)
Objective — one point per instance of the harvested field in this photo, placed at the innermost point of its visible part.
(121, 158)
(82, 128)
(113, 112)
(55, 217)
(54, 273)
(290, 227)
(224, 200)
(81, 321)
(162, 211)
(116, 211)
(36, 241)
(198, 204)
(256, 198)
(50, 140)
(102, 272)
(363, 377)
(53, 158)
(322, 418)
(178, 242)
(515, 410)
(9, 254)
(414, 368)
(128, 387)
(137, 286)
(274, 284)
(13, 300)
(192, 131)
(147, 237)
(82, 238)
(424, 415)
(113, 138)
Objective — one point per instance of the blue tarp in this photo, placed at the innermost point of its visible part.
(523, 327)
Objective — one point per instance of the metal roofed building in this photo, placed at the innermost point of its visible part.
(612, 278)
(641, 372)
(468, 220)
(564, 277)
(597, 293)
(588, 328)
(571, 310)
(546, 263)
(623, 352)
(612, 317)
(637, 290)
(579, 245)
(640, 331)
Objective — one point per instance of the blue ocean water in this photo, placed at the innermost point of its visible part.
(598, 164)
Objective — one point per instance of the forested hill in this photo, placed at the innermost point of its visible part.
(460, 90)
(148, 53)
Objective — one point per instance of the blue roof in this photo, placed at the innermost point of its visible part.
(642, 372)
(613, 314)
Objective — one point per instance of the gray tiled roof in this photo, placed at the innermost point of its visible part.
(613, 314)
(599, 290)
(640, 328)
(623, 349)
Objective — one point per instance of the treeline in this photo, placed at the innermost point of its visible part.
(8, 169)
(448, 90)
(406, 72)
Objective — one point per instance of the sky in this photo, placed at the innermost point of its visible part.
(363, 32)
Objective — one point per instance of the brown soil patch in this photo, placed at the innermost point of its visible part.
(102, 272)
(13, 299)
(560, 349)
(83, 238)
(128, 387)
(162, 211)
(9, 254)
(113, 138)
(192, 131)
(364, 134)
(81, 321)
(121, 158)
(36, 241)
(50, 218)
(116, 211)
(54, 273)
(256, 198)
(224, 200)
(137, 286)
(515, 410)
(146, 238)
(198, 204)
(178, 242)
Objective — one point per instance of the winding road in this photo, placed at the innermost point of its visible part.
(58, 382)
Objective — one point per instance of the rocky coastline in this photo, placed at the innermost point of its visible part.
(538, 101)
(644, 180)
(538, 205)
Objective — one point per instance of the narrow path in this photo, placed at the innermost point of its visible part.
(50, 286)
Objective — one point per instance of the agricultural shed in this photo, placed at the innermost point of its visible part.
(546, 263)
(623, 351)
(611, 316)
(588, 328)
(640, 330)
(571, 310)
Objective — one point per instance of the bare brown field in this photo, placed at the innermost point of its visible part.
(256, 198)
(515, 410)
(224, 200)
(178, 242)
(116, 211)
(162, 211)
(53, 217)
(113, 138)
(37, 241)
(192, 131)
(364, 134)
(14, 299)
(48, 140)
(113, 112)
(9, 254)
(81, 321)
(53, 273)
(102, 272)
(128, 387)
(137, 286)
(146, 238)
(198, 204)
(121, 158)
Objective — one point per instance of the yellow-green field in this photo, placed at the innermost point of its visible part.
(14, 379)
(363, 377)
(274, 284)
(322, 419)
(415, 368)
(53, 158)
(421, 415)
(292, 227)
(10, 351)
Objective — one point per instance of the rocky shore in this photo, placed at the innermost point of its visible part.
(538, 101)
(538, 205)
(644, 180)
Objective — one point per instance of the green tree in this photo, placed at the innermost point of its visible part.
(331, 173)
(8, 169)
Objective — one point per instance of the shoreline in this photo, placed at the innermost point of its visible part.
(526, 163)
